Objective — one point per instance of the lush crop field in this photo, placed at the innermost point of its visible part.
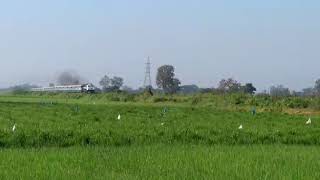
(63, 138)
(162, 162)
(45, 124)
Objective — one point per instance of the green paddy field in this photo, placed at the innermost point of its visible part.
(81, 137)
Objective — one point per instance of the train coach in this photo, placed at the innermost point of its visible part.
(84, 88)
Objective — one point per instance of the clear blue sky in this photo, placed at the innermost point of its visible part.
(263, 42)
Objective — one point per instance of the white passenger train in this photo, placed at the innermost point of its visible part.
(84, 88)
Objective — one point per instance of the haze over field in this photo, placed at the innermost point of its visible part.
(266, 43)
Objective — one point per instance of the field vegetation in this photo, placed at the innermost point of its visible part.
(162, 162)
(59, 136)
(233, 100)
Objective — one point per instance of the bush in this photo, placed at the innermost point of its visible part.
(196, 100)
(160, 99)
(115, 98)
(315, 104)
(129, 98)
(297, 103)
(238, 99)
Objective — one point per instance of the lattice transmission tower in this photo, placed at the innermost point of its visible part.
(147, 78)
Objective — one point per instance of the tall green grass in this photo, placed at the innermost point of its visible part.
(222, 101)
(67, 136)
(162, 162)
(62, 125)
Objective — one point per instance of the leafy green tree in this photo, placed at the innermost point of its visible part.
(229, 85)
(249, 88)
(317, 87)
(166, 79)
(111, 84)
(105, 83)
(116, 83)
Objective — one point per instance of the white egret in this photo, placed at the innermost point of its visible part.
(119, 117)
(241, 127)
(14, 128)
(309, 121)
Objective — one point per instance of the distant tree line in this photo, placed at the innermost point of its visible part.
(111, 84)
(22, 88)
(232, 86)
(168, 83)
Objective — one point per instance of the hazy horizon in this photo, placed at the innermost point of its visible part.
(265, 43)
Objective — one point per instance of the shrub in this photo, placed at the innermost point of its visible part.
(160, 99)
(315, 104)
(196, 100)
(297, 103)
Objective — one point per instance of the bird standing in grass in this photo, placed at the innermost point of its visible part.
(119, 117)
(164, 112)
(309, 121)
(14, 128)
(253, 111)
(241, 127)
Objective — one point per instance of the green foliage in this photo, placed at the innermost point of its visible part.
(248, 88)
(238, 99)
(166, 79)
(221, 101)
(105, 82)
(62, 136)
(111, 84)
(196, 100)
(229, 86)
(162, 162)
(67, 124)
(315, 104)
(296, 103)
